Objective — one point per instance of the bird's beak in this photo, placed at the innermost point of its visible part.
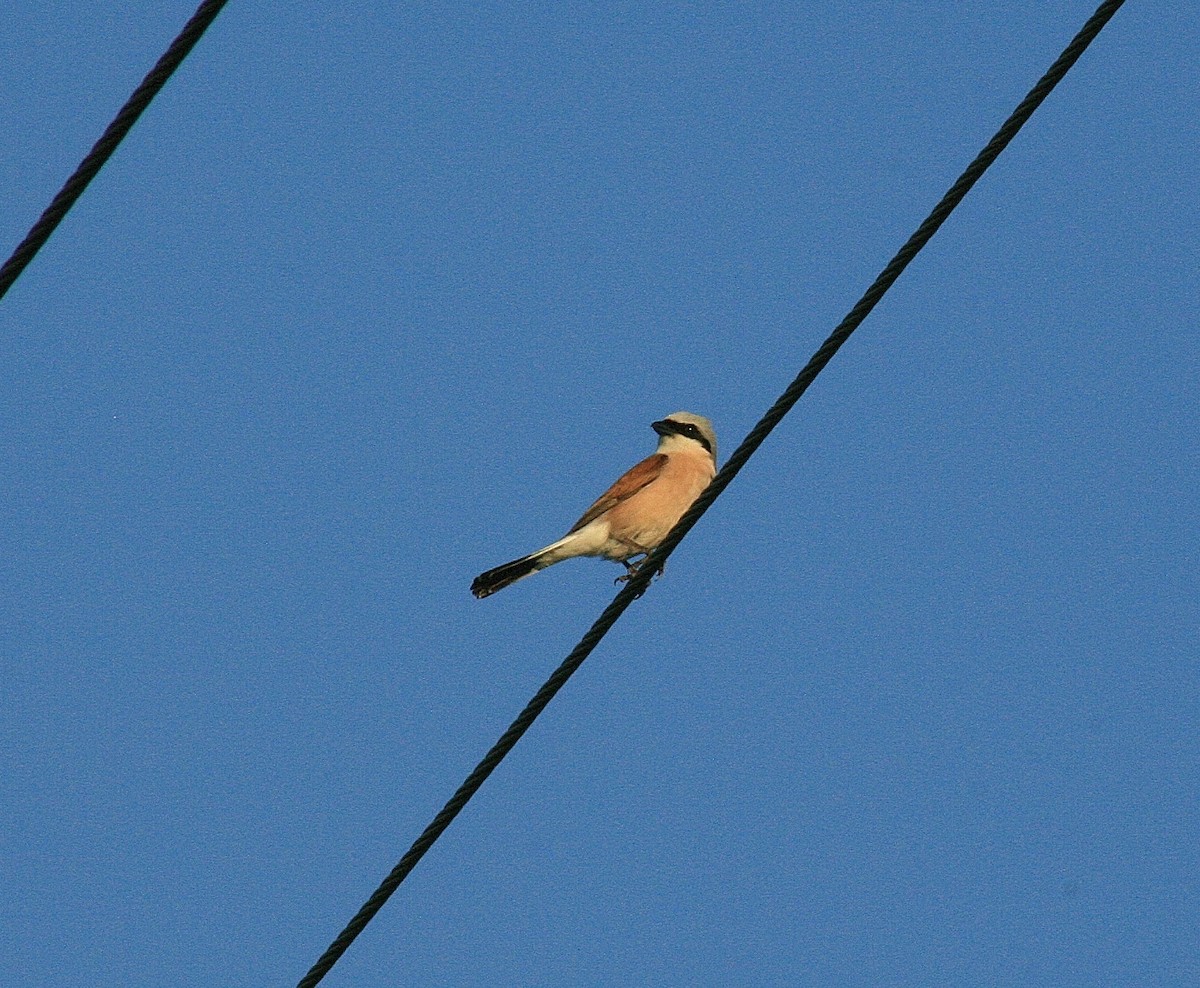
(664, 427)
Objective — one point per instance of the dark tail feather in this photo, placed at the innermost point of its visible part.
(488, 583)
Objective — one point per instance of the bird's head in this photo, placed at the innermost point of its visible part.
(686, 428)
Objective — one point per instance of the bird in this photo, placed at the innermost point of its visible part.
(636, 513)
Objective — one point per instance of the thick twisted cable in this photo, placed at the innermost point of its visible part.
(103, 149)
(637, 585)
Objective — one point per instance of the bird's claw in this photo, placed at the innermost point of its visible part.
(632, 570)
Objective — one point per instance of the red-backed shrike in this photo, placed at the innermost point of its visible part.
(635, 514)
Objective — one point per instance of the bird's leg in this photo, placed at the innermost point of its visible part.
(645, 555)
(631, 569)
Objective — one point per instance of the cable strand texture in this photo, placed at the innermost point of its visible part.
(103, 149)
(637, 585)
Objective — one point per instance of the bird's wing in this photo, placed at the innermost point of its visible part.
(628, 484)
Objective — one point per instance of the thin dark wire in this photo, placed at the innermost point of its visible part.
(103, 148)
(637, 585)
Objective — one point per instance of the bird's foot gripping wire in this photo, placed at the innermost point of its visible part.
(632, 569)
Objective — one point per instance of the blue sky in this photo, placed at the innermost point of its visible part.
(374, 298)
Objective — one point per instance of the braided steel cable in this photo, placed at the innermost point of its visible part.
(638, 583)
(103, 149)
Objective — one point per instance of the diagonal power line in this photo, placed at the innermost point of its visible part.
(637, 585)
(103, 149)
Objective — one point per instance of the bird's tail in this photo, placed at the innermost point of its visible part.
(488, 583)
